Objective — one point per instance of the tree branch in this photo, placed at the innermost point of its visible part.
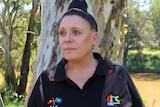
(2, 28)
(14, 10)
(2, 49)
(142, 26)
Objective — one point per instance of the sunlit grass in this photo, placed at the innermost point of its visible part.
(146, 51)
(149, 51)
(15, 105)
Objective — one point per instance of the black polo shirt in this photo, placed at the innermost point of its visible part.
(106, 88)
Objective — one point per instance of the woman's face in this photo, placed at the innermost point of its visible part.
(76, 39)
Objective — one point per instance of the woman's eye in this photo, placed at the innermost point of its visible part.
(76, 32)
(62, 33)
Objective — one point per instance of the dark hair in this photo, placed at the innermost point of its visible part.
(79, 8)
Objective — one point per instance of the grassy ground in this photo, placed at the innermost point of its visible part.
(147, 51)
(15, 105)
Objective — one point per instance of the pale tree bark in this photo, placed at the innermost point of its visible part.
(6, 26)
(109, 15)
(1, 101)
(48, 51)
(110, 18)
(10, 75)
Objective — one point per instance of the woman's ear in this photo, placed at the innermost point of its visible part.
(94, 37)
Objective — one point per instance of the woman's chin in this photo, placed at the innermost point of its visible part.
(71, 57)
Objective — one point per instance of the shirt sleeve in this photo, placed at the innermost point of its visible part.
(36, 97)
(136, 98)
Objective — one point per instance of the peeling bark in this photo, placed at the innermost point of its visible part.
(109, 15)
(48, 52)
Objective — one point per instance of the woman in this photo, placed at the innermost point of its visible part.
(83, 78)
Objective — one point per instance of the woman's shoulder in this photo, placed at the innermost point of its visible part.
(49, 72)
(117, 68)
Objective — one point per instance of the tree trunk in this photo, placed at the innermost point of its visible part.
(109, 16)
(48, 52)
(10, 75)
(7, 27)
(27, 50)
(1, 101)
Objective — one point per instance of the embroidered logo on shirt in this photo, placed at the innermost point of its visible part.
(110, 71)
(54, 102)
(52, 79)
(112, 100)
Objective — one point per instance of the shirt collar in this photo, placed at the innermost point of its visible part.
(103, 67)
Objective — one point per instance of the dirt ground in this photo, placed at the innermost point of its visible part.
(148, 85)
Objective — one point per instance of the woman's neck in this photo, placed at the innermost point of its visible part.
(81, 71)
(85, 64)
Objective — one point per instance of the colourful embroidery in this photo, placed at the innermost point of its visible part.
(54, 102)
(112, 100)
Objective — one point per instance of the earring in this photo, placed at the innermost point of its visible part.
(93, 46)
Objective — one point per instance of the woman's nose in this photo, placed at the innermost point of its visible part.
(68, 37)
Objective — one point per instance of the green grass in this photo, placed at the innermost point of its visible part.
(146, 51)
(15, 105)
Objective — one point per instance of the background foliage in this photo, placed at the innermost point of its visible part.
(15, 17)
(138, 62)
(142, 34)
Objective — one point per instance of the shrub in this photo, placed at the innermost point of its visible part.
(142, 62)
(10, 97)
